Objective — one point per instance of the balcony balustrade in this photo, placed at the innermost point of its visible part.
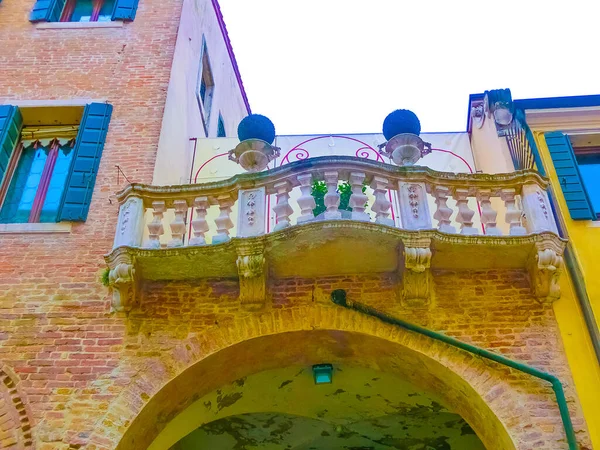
(446, 221)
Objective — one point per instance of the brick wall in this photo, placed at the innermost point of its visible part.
(56, 332)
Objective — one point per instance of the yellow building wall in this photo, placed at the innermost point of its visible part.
(491, 155)
(577, 342)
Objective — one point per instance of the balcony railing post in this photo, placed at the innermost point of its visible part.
(155, 228)
(443, 212)
(130, 226)
(537, 209)
(282, 208)
(306, 201)
(200, 223)
(358, 199)
(488, 215)
(178, 224)
(251, 212)
(513, 214)
(414, 209)
(465, 214)
(382, 205)
(332, 198)
(223, 222)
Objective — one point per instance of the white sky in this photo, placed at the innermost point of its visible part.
(340, 66)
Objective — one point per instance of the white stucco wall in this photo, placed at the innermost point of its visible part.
(182, 119)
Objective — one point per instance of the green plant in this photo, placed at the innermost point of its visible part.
(399, 122)
(319, 189)
(104, 277)
(256, 126)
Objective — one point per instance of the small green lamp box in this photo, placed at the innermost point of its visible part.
(323, 373)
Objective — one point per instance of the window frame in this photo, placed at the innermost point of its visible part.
(205, 76)
(69, 8)
(582, 153)
(48, 172)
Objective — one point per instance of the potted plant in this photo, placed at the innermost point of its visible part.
(255, 150)
(401, 128)
(318, 191)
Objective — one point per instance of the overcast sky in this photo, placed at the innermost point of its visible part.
(340, 66)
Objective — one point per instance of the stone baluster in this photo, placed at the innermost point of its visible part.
(513, 214)
(282, 208)
(381, 206)
(332, 198)
(306, 201)
(200, 223)
(488, 214)
(223, 221)
(443, 212)
(465, 214)
(358, 199)
(155, 228)
(178, 224)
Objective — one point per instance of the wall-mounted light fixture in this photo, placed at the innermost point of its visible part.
(323, 373)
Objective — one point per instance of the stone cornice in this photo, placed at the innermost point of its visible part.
(411, 238)
(342, 164)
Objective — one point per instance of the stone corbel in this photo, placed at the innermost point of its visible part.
(121, 279)
(545, 268)
(417, 282)
(252, 271)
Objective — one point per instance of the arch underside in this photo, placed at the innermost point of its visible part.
(163, 421)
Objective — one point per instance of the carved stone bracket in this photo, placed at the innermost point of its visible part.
(122, 280)
(252, 271)
(545, 268)
(417, 282)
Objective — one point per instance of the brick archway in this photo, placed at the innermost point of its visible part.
(15, 426)
(493, 400)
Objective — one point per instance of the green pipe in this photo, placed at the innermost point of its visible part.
(339, 298)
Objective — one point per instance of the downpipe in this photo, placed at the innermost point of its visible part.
(339, 298)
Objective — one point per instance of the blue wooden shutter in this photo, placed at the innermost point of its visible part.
(84, 167)
(47, 10)
(125, 9)
(11, 122)
(569, 178)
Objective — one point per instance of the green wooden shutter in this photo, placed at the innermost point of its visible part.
(125, 9)
(569, 178)
(47, 10)
(11, 122)
(84, 167)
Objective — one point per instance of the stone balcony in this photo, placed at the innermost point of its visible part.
(444, 221)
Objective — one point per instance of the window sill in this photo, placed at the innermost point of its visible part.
(78, 25)
(30, 228)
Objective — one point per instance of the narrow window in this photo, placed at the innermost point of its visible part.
(205, 87)
(221, 127)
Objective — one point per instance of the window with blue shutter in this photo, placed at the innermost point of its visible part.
(83, 10)
(125, 10)
(11, 122)
(47, 10)
(569, 176)
(86, 159)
